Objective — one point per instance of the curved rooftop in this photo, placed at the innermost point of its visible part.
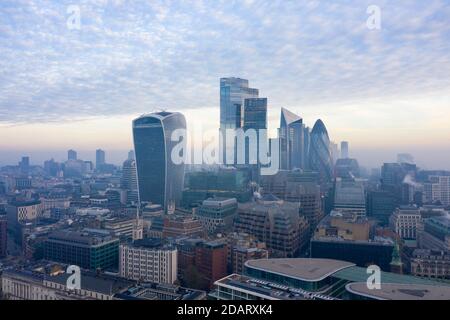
(395, 291)
(319, 127)
(158, 115)
(304, 269)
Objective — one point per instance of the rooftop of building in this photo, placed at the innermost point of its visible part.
(359, 274)
(151, 243)
(349, 192)
(153, 291)
(440, 222)
(85, 237)
(104, 284)
(219, 201)
(395, 291)
(24, 203)
(267, 290)
(376, 241)
(304, 269)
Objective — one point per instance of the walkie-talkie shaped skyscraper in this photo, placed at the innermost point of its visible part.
(160, 180)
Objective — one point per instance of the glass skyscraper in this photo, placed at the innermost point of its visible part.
(255, 117)
(320, 154)
(292, 141)
(233, 92)
(160, 180)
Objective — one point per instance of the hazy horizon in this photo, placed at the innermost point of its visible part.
(386, 90)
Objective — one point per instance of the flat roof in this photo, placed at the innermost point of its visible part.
(395, 291)
(304, 269)
(359, 274)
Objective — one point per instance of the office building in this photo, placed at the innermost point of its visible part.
(72, 155)
(48, 281)
(362, 253)
(344, 150)
(349, 197)
(158, 291)
(24, 165)
(434, 234)
(241, 254)
(148, 260)
(404, 222)
(321, 279)
(380, 205)
(300, 187)
(233, 92)
(178, 225)
(129, 180)
(223, 183)
(347, 169)
(120, 227)
(255, 118)
(319, 152)
(275, 222)
(437, 189)
(160, 179)
(291, 135)
(20, 212)
(398, 177)
(217, 214)
(337, 225)
(88, 249)
(432, 264)
(99, 158)
(211, 261)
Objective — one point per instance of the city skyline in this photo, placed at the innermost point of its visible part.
(385, 91)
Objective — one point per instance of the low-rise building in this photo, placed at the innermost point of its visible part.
(404, 222)
(88, 249)
(430, 264)
(217, 214)
(148, 260)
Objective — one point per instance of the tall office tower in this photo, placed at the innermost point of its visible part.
(291, 135)
(71, 155)
(255, 118)
(320, 155)
(344, 150)
(131, 155)
(160, 180)
(24, 165)
(395, 176)
(334, 150)
(129, 180)
(233, 92)
(99, 158)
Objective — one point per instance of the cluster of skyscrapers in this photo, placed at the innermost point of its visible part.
(159, 228)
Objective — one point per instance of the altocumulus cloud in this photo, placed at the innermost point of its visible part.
(132, 56)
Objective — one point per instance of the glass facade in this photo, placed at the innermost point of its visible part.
(160, 180)
(320, 154)
(292, 141)
(233, 92)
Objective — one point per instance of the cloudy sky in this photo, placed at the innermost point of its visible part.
(385, 90)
